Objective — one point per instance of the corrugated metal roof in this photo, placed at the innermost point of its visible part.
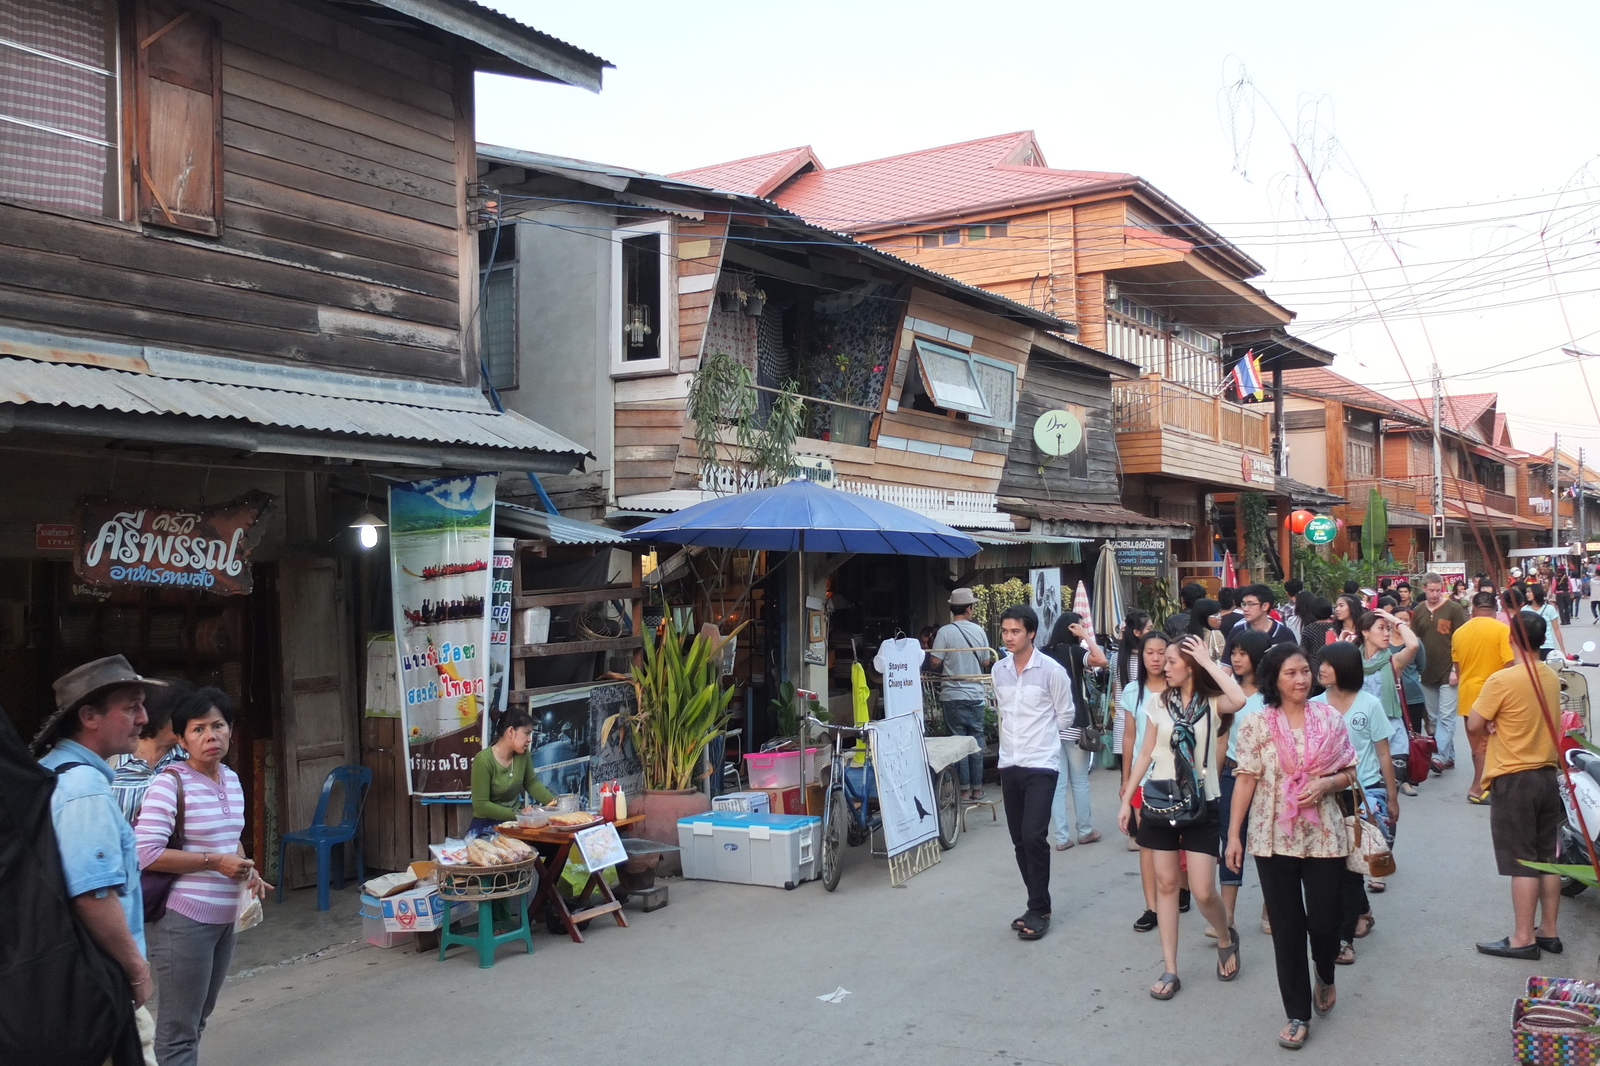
(556, 528)
(24, 381)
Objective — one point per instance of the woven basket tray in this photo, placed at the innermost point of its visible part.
(467, 883)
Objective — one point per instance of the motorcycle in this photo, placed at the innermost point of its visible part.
(1585, 772)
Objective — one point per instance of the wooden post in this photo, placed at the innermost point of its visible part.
(1241, 562)
(1285, 553)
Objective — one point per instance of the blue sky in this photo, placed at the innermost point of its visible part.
(1455, 127)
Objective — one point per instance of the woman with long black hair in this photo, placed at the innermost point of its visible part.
(1125, 664)
(1074, 647)
(1147, 688)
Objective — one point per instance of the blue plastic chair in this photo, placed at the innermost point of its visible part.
(322, 836)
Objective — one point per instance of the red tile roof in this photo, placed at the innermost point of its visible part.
(1458, 413)
(755, 175)
(933, 183)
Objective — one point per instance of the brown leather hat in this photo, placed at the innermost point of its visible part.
(82, 684)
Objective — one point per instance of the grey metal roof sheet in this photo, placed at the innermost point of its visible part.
(25, 381)
(556, 528)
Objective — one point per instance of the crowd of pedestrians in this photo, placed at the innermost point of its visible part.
(1278, 735)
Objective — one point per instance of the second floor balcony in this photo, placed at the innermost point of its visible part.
(1172, 430)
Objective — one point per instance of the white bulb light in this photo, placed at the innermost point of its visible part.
(369, 536)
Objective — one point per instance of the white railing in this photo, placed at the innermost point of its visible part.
(973, 510)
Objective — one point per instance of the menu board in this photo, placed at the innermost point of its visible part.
(1141, 558)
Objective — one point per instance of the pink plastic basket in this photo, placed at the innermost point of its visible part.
(774, 769)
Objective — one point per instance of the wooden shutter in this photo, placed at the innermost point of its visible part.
(178, 86)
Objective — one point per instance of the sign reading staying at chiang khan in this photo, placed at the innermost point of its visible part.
(208, 549)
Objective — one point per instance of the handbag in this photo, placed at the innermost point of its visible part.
(154, 886)
(1179, 800)
(1092, 738)
(1369, 854)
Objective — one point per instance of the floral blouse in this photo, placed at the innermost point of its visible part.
(1258, 756)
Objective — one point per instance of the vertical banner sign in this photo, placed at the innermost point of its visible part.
(441, 547)
(905, 791)
(505, 557)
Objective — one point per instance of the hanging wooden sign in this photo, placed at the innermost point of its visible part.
(125, 544)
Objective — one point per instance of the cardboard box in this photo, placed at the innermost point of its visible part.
(783, 800)
(415, 910)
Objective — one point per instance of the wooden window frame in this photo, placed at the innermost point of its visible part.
(155, 211)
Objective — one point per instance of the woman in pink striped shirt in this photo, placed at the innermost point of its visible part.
(191, 945)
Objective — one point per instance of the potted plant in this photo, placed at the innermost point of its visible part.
(728, 300)
(754, 302)
(683, 707)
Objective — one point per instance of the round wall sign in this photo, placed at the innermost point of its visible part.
(1321, 529)
(1058, 432)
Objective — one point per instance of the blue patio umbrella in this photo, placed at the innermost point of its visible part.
(804, 516)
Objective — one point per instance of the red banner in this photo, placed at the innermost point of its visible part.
(123, 544)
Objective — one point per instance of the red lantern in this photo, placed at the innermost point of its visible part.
(1298, 521)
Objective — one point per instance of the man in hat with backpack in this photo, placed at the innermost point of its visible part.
(99, 713)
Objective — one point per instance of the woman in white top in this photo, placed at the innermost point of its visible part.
(1144, 690)
(1194, 711)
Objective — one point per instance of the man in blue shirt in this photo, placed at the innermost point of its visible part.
(99, 713)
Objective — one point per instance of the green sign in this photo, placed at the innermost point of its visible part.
(1321, 529)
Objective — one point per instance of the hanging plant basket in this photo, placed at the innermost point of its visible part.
(754, 304)
(728, 301)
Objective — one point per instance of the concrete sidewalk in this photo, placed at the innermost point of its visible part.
(730, 974)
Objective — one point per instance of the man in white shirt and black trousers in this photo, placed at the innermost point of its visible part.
(1034, 698)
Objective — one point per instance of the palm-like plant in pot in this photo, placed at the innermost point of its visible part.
(683, 708)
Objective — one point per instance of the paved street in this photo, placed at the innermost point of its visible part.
(730, 974)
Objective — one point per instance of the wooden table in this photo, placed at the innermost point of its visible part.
(554, 846)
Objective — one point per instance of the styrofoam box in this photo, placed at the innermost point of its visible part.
(754, 802)
(779, 850)
(775, 769)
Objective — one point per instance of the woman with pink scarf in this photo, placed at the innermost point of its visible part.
(1294, 758)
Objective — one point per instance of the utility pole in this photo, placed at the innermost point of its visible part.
(1438, 470)
(1583, 523)
(1555, 496)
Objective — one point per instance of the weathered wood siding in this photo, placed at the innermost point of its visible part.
(344, 155)
(1051, 386)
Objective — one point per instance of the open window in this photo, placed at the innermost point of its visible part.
(642, 311)
(949, 380)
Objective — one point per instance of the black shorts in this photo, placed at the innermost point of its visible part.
(1204, 837)
(1525, 816)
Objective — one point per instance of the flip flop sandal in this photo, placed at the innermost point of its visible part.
(1316, 1000)
(1376, 885)
(1170, 980)
(1363, 930)
(1229, 952)
(1479, 800)
(1294, 1043)
(1034, 930)
(1346, 956)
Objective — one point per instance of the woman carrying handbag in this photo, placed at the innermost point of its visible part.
(1178, 810)
(1294, 757)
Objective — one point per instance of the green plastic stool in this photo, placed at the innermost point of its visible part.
(486, 939)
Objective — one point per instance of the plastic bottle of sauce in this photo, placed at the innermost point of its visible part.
(608, 803)
(622, 801)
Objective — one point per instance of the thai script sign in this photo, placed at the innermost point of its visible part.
(1141, 558)
(441, 553)
(165, 547)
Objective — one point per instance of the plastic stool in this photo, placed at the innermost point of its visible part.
(486, 939)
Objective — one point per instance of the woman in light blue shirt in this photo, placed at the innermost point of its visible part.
(1148, 686)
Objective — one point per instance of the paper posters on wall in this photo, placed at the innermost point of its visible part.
(383, 698)
(900, 662)
(441, 544)
(1044, 596)
(500, 628)
(614, 759)
(905, 791)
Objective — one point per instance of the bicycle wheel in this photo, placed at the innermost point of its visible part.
(947, 801)
(835, 818)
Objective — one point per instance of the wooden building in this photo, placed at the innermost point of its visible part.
(1144, 280)
(237, 262)
(624, 282)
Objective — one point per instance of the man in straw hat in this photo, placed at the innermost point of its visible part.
(99, 713)
(961, 651)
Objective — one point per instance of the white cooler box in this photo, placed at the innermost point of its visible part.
(750, 849)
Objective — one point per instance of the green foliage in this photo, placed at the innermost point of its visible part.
(683, 706)
(787, 709)
(1325, 574)
(992, 601)
(1156, 597)
(1375, 530)
(722, 397)
(1257, 537)
(1583, 874)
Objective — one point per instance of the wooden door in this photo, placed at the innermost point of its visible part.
(317, 698)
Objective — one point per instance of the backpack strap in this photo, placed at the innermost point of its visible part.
(64, 767)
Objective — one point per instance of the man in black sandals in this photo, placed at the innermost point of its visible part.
(1034, 699)
(1519, 722)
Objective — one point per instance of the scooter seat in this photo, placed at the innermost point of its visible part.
(1587, 762)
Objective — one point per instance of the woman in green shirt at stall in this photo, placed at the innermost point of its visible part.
(503, 772)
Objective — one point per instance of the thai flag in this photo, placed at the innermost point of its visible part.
(1247, 377)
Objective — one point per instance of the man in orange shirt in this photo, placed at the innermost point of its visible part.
(1516, 714)
(1480, 648)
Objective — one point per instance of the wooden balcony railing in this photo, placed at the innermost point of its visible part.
(1465, 493)
(1154, 404)
(1399, 493)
